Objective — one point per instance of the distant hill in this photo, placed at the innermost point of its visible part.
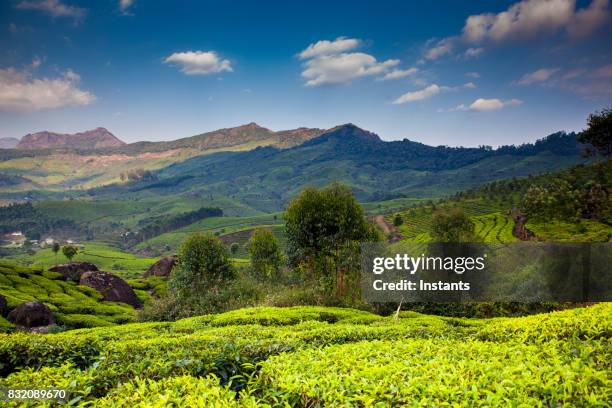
(91, 139)
(86, 160)
(266, 177)
(248, 136)
(8, 142)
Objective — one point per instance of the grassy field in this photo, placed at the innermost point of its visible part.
(315, 356)
(584, 231)
(105, 257)
(220, 226)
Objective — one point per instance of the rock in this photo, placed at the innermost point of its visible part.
(111, 287)
(163, 267)
(3, 306)
(73, 271)
(31, 314)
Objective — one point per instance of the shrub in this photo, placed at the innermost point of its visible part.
(203, 264)
(264, 251)
(432, 373)
(181, 391)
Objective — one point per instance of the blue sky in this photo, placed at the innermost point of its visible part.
(445, 72)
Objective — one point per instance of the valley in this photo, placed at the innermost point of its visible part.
(116, 298)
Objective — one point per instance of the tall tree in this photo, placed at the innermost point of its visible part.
(55, 248)
(203, 264)
(265, 253)
(598, 133)
(452, 225)
(69, 251)
(320, 225)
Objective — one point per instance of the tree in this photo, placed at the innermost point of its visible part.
(203, 265)
(320, 224)
(598, 133)
(452, 225)
(234, 248)
(398, 220)
(55, 248)
(558, 200)
(265, 253)
(69, 251)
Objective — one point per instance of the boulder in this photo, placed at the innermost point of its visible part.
(111, 287)
(73, 271)
(163, 267)
(31, 314)
(3, 306)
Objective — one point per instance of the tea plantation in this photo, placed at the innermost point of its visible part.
(74, 306)
(317, 356)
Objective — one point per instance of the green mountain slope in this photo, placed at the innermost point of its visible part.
(265, 178)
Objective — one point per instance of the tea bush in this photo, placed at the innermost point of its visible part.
(434, 373)
(317, 356)
(74, 306)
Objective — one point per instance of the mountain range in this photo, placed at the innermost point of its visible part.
(54, 161)
(264, 178)
(91, 139)
(261, 169)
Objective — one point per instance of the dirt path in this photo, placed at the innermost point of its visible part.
(388, 229)
(520, 231)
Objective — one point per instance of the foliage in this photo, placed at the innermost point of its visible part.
(434, 373)
(180, 391)
(310, 356)
(69, 251)
(203, 265)
(324, 228)
(598, 133)
(26, 218)
(398, 220)
(583, 192)
(452, 225)
(264, 251)
(153, 226)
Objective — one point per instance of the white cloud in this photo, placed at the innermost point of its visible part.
(442, 47)
(589, 19)
(473, 52)
(472, 74)
(199, 62)
(415, 96)
(54, 8)
(20, 92)
(430, 91)
(329, 63)
(343, 68)
(399, 73)
(524, 20)
(484, 105)
(325, 47)
(124, 6)
(541, 75)
(528, 18)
